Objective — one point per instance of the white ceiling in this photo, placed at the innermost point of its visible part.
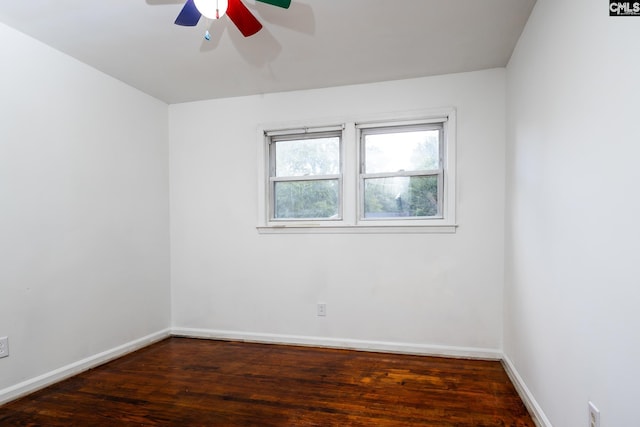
(313, 44)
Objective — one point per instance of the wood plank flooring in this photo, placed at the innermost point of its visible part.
(190, 382)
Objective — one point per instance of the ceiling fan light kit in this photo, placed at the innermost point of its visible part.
(212, 9)
(237, 12)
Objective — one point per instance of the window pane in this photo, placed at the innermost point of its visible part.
(306, 199)
(396, 151)
(415, 196)
(308, 157)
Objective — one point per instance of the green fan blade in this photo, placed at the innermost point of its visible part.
(280, 3)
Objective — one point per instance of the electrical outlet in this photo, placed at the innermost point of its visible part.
(322, 309)
(4, 347)
(594, 415)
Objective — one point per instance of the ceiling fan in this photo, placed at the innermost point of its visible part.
(215, 9)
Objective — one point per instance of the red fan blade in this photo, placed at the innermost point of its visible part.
(243, 18)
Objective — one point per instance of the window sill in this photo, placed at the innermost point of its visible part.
(356, 229)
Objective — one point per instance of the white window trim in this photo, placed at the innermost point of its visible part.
(351, 222)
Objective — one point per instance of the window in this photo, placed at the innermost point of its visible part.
(384, 174)
(401, 172)
(305, 176)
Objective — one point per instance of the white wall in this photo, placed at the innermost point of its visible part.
(417, 290)
(84, 246)
(573, 242)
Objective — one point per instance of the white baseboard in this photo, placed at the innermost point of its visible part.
(530, 402)
(343, 343)
(49, 378)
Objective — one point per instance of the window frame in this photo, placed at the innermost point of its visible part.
(272, 140)
(351, 192)
(369, 129)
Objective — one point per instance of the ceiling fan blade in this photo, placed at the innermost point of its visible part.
(280, 3)
(243, 18)
(189, 15)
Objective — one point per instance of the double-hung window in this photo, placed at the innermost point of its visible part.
(305, 175)
(401, 171)
(383, 174)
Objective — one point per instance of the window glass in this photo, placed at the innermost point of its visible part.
(393, 197)
(306, 199)
(307, 157)
(402, 151)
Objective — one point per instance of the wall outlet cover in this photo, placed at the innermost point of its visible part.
(322, 309)
(4, 347)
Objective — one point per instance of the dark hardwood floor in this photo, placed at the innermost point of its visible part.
(190, 382)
